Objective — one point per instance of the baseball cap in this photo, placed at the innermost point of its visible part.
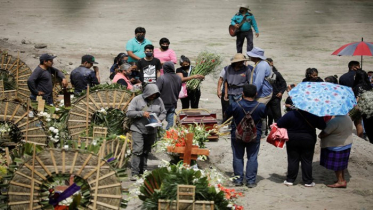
(89, 59)
(46, 56)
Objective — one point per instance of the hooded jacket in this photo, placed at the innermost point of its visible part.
(140, 104)
(169, 85)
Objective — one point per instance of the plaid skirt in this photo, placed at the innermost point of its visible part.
(333, 160)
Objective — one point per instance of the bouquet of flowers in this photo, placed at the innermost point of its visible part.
(176, 137)
(206, 63)
(365, 103)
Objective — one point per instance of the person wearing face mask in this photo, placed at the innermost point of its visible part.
(169, 86)
(236, 76)
(184, 72)
(123, 76)
(245, 30)
(164, 53)
(135, 46)
(83, 76)
(149, 66)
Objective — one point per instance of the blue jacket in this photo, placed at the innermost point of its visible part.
(260, 72)
(81, 77)
(251, 22)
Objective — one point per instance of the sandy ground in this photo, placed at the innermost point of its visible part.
(297, 34)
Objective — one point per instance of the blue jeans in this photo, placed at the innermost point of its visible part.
(234, 98)
(48, 100)
(238, 149)
(170, 117)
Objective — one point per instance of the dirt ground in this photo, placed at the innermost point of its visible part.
(297, 34)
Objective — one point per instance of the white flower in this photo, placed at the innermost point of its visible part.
(57, 109)
(51, 128)
(48, 120)
(55, 130)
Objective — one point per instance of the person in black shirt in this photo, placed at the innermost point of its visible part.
(347, 79)
(312, 75)
(149, 66)
(83, 76)
(279, 87)
(184, 73)
(40, 81)
(288, 102)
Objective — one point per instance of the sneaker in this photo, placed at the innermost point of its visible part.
(310, 185)
(133, 178)
(237, 184)
(250, 185)
(288, 183)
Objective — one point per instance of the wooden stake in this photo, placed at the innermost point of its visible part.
(123, 153)
(63, 160)
(27, 119)
(85, 163)
(73, 166)
(17, 73)
(97, 175)
(8, 161)
(32, 179)
(53, 161)
(86, 124)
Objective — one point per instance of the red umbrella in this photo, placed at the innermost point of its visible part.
(356, 49)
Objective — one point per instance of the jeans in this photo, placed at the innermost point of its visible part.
(224, 105)
(241, 38)
(170, 117)
(141, 147)
(48, 99)
(238, 149)
(193, 98)
(234, 98)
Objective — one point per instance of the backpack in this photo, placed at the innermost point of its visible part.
(246, 129)
(271, 78)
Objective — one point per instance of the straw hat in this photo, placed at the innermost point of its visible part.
(238, 57)
(246, 6)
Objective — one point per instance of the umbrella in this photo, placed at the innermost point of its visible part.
(356, 49)
(323, 98)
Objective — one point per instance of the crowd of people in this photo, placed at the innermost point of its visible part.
(241, 87)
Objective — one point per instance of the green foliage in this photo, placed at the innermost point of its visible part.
(162, 184)
(106, 86)
(112, 118)
(8, 80)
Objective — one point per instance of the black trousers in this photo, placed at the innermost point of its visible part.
(224, 105)
(300, 148)
(241, 38)
(193, 99)
(274, 110)
(368, 125)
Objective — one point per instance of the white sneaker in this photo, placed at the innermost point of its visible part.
(310, 185)
(288, 183)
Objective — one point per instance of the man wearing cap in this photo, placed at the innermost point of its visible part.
(135, 46)
(236, 75)
(83, 76)
(262, 70)
(245, 30)
(40, 81)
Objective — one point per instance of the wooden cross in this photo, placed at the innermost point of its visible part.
(189, 152)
